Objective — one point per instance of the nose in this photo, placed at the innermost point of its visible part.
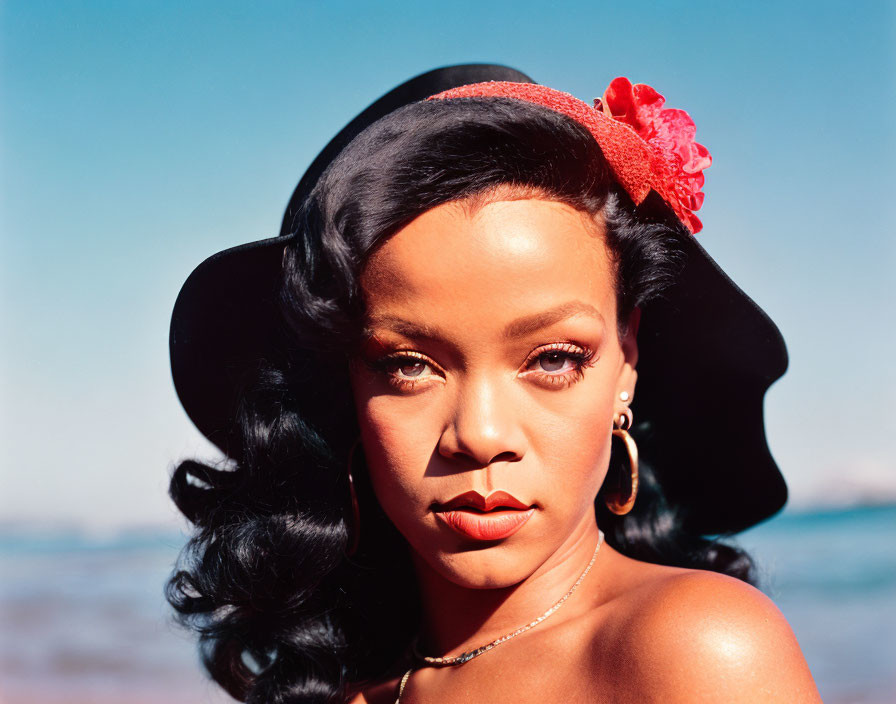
(484, 426)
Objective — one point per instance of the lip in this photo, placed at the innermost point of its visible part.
(486, 526)
(473, 499)
(494, 517)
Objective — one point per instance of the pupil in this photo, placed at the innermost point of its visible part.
(415, 367)
(552, 361)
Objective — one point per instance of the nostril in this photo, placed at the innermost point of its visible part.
(506, 456)
(473, 462)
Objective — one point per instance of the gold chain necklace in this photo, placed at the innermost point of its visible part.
(476, 652)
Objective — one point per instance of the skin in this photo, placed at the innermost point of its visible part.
(467, 407)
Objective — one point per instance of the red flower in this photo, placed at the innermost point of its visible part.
(671, 134)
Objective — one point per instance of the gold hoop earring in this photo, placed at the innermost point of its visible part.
(620, 502)
(354, 527)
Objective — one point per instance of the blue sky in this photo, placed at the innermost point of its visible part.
(139, 138)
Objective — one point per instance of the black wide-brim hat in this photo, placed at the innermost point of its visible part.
(707, 352)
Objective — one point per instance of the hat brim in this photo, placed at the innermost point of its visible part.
(707, 352)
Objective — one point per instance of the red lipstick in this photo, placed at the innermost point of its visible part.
(494, 517)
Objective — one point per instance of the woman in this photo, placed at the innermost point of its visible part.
(479, 284)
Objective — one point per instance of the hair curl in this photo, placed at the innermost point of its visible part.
(283, 615)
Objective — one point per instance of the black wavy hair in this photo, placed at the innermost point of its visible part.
(282, 613)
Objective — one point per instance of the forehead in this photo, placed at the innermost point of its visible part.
(485, 265)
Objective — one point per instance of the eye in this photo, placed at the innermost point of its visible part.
(404, 370)
(553, 361)
(560, 364)
(411, 367)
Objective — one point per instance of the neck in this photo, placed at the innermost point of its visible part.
(457, 619)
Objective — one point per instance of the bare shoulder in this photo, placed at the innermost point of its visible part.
(700, 636)
(381, 693)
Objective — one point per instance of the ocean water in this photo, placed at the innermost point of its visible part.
(83, 618)
(833, 575)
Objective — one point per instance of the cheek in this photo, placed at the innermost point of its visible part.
(398, 446)
(574, 443)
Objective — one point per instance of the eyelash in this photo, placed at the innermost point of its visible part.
(579, 356)
(385, 365)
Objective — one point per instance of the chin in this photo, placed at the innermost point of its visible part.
(496, 566)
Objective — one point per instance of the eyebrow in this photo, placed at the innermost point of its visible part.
(516, 328)
(537, 321)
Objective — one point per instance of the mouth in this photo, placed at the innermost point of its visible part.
(494, 517)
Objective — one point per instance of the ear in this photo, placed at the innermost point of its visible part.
(628, 375)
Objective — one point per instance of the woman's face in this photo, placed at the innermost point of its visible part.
(491, 364)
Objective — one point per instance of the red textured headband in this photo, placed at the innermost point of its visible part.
(648, 147)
